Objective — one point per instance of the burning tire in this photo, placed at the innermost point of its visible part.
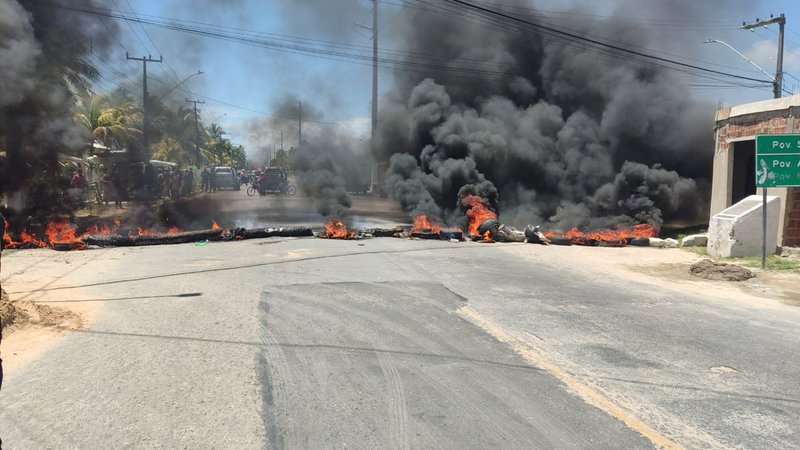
(560, 240)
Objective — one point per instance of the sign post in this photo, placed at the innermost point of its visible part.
(777, 165)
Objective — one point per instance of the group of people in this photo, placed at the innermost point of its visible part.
(117, 184)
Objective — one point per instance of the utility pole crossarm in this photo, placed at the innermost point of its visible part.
(758, 23)
(777, 80)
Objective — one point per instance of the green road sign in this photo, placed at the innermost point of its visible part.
(777, 160)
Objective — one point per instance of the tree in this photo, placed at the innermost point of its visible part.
(172, 150)
(112, 125)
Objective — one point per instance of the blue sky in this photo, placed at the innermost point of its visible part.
(240, 82)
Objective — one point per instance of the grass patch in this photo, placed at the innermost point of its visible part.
(702, 251)
(773, 263)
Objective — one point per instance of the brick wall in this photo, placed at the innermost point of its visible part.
(791, 231)
(776, 125)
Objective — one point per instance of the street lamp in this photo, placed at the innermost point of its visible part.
(199, 72)
(771, 77)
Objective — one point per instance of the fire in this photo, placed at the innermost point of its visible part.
(7, 241)
(143, 231)
(423, 225)
(104, 230)
(478, 211)
(60, 231)
(617, 237)
(336, 229)
(30, 240)
(214, 225)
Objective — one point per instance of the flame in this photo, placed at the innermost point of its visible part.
(7, 241)
(143, 231)
(617, 236)
(214, 225)
(336, 229)
(423, 225)
(478, 211)
(60, 231)
(30, 240)
(104, 230)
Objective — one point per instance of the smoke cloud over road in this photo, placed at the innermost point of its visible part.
(555, 133)
(42, 50)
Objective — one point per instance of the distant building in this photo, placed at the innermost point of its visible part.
(734, 158)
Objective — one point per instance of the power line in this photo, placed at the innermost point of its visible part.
(569, 35)
(338, 51)
(263, 113)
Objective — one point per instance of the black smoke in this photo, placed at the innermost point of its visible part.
(330, 163)
(564, 136)
(43, 54)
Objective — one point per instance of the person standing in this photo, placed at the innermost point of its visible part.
(213, 180)
(119, 186)
(188, 182)
(78, 180)
(150, 180)
(2, 233)
(177, 181)
(204, 180)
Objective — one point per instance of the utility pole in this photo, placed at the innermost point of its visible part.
(375, 177)
(777, 84)
(281, 139)
(299, 125)
(198, 159)
(145, 113)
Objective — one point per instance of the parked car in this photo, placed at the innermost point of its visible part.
(226, 178)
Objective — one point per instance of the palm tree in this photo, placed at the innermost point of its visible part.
(172, 150)
(111, 125)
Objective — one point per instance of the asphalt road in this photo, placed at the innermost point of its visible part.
(388, 343)
(237, 209)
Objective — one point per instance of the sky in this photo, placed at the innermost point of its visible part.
(244, 86)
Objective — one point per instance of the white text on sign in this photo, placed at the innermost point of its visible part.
(776, 163)
(785, 145)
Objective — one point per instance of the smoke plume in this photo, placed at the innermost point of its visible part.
(550, 132)
(42, 49)
(331, 162)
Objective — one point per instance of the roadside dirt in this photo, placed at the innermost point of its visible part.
(37, 323)
(667, 268)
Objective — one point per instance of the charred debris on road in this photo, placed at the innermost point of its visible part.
(482, 225)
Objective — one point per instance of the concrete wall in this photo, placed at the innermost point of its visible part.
(745, 122)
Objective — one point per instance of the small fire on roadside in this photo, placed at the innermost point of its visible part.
(478, 211)
(59, 233)
(423, 226)
(214, 225)
(7, 241)
(336, 229)
(614, 238)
